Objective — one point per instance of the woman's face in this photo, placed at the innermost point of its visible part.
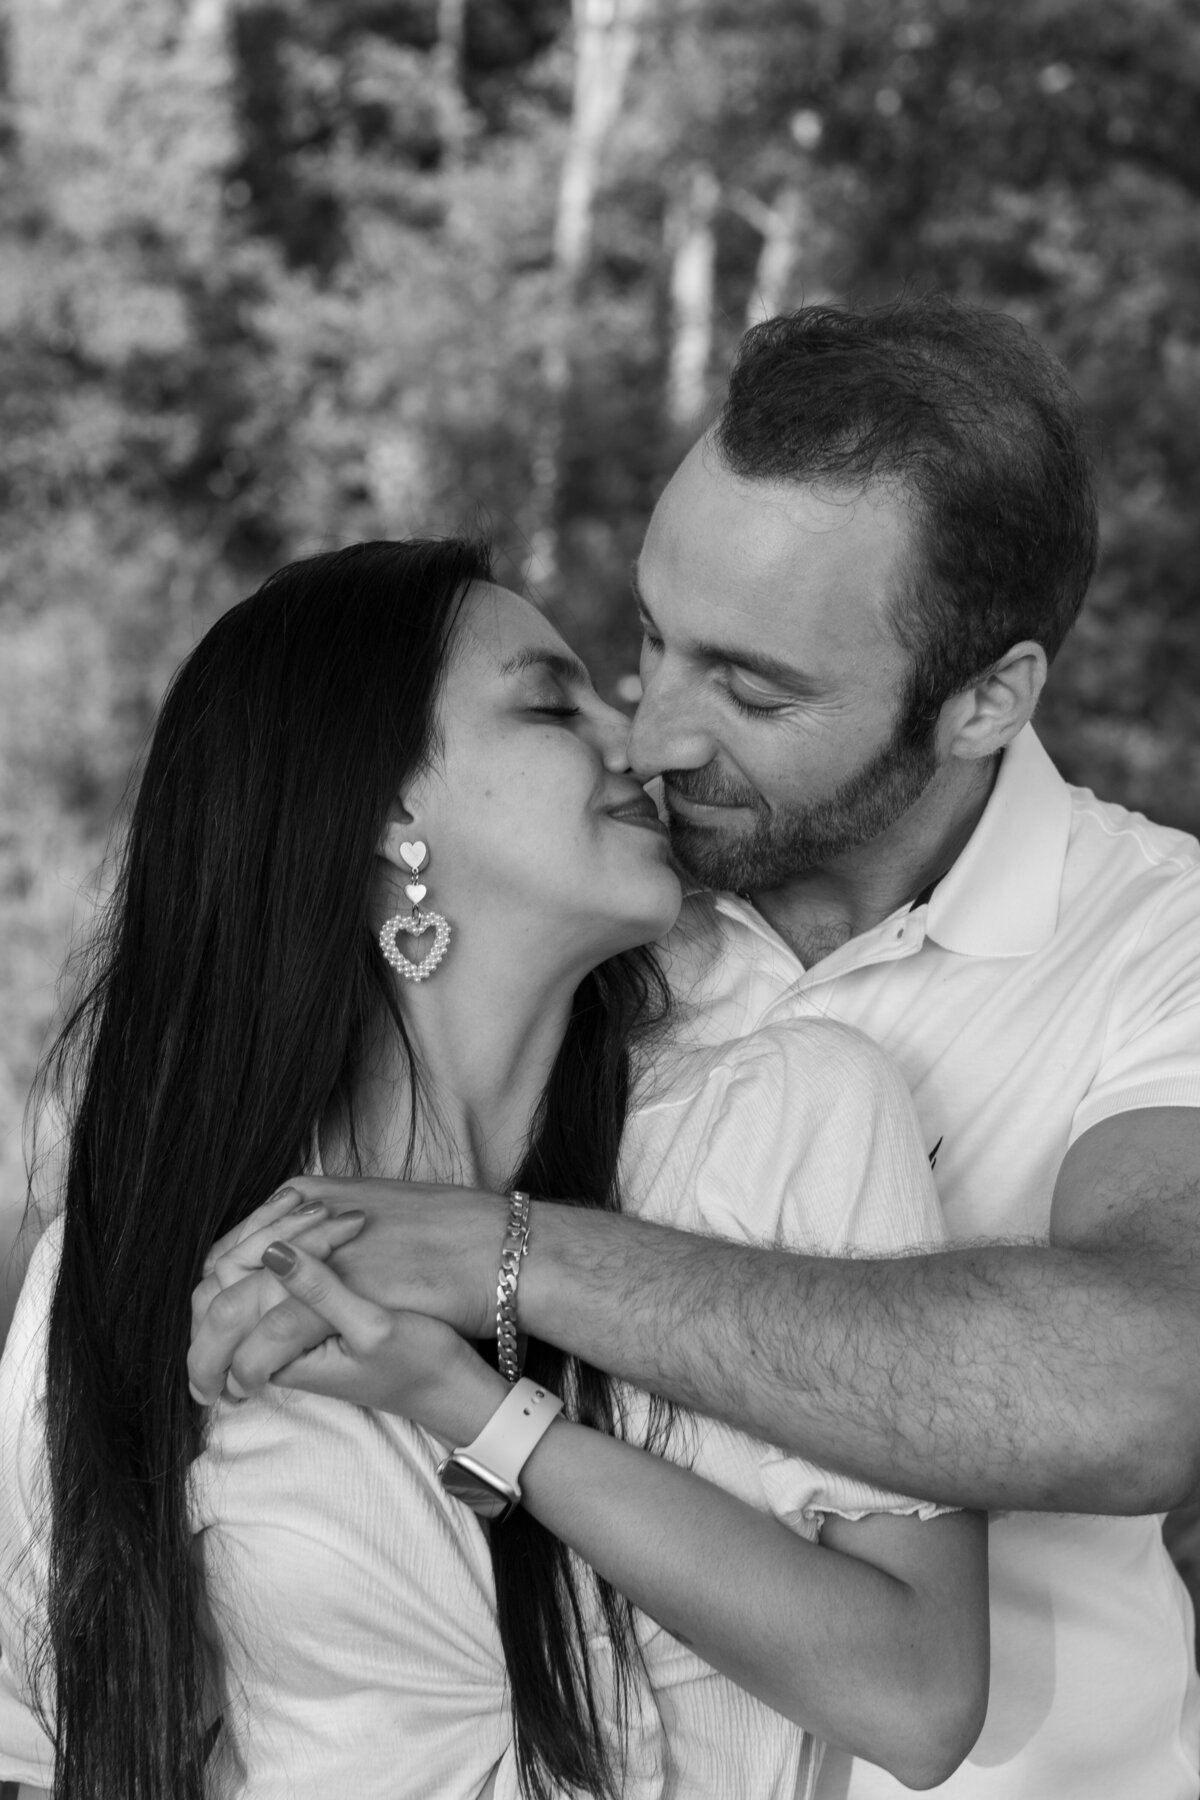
(534, 825)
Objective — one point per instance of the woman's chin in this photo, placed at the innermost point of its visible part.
(648, 917)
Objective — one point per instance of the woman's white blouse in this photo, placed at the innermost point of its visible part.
(355, 1598)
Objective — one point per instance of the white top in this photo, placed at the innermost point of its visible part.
(355, 1597)
(1052, 981)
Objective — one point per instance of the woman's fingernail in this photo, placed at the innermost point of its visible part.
(355, 1215)
(279, 1258)
(309, 1208)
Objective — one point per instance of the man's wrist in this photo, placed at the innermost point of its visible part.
(548, 1273)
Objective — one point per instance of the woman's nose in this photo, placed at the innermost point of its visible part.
(613, 736)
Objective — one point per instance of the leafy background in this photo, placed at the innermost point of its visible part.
(280, 274)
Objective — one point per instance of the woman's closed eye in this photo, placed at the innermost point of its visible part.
(556, 710)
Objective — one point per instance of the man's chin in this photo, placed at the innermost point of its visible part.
(706, 857)
(709, 858)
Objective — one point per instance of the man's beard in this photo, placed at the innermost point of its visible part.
(786, 841)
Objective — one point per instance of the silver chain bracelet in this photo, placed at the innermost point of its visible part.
(515, 1246)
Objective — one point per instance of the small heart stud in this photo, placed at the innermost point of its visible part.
(416, 891)
(414, 855)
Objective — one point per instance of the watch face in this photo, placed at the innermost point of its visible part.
(484, 1493)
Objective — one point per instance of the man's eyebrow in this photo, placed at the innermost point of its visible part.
(556, 662)
(755, 662)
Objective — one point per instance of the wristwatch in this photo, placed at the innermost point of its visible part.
(483, 1474)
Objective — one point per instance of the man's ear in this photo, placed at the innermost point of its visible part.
(985, 718)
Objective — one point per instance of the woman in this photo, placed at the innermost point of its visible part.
(282, 1597)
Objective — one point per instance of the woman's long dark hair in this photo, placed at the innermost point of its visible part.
(235, 989)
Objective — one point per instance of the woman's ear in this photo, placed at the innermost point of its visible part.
(398, 830)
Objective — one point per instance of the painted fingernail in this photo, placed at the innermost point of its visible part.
(279, 1258)
(355, 1216)
(309, 1208)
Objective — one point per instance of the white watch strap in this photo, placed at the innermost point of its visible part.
(515, 1430)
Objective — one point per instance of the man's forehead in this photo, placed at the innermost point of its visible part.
(725, 554)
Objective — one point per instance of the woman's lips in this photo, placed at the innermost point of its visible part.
(641, 811)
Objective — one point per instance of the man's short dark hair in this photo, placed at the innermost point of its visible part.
(979, 431)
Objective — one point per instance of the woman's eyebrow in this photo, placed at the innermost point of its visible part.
(556, 662)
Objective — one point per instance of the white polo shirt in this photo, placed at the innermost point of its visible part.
(1052, 980)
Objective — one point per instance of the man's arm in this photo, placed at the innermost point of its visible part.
(1061, 1376)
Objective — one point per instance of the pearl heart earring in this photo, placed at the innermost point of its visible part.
(416, 924)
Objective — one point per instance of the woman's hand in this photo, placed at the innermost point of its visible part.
(399, 1362)
(429, 1248)
(235, 1294)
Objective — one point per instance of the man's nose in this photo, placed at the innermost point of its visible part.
(666, 731)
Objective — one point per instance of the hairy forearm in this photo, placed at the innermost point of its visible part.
(991, 1376)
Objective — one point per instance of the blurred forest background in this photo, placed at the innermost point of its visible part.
(280, 274)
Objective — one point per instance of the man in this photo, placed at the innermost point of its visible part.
(851, 590)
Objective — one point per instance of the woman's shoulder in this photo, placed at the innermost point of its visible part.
(811, 1062)
(802, 1133)
(33, 1302)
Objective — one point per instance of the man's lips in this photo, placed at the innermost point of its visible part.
(688, 808)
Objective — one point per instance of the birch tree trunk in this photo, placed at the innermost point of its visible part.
(448, 71)
(606, 41)
(782, 226)
(691, 239)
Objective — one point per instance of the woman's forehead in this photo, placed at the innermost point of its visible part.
(497, 625)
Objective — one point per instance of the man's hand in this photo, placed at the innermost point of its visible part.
(425, 1247)
(422, 1248)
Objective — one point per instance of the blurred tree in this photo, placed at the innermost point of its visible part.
(281, 273)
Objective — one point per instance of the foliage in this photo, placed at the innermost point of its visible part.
(276, 274)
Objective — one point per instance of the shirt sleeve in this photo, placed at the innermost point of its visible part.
(1151, 1052)
(805, 1138)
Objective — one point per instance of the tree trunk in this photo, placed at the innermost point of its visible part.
(691, 242)
(782, 225)
(447, 74)
(606, 40)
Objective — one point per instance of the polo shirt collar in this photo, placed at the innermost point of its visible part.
(1001, 897)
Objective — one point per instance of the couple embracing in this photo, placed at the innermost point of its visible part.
(859, 1207)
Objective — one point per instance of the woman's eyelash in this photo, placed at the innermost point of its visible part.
(557, 712)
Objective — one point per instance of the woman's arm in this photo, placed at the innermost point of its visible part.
(875, 1639)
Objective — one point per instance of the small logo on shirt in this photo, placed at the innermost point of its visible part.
(934, 1151)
